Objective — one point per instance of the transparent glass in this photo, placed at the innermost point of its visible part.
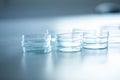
(114, 33)
(95, 40)
(36, 43)
(69, 42)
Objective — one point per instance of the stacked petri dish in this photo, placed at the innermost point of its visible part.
(114, 32)
(95, 40)
(69, 42)
(36, 43)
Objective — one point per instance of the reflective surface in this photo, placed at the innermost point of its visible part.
(85, 65)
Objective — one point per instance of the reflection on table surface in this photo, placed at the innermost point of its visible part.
(87, 64)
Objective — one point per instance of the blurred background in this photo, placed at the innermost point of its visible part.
(48, 8)
(18, 17)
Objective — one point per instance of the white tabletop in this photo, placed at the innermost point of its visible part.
(84, 65)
